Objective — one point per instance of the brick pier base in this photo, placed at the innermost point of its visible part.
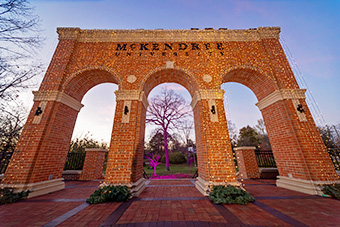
(93, 165)
(247, 164)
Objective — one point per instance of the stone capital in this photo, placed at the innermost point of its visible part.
(210, 94)
(132, 95)
(57, 96)
(281, 95)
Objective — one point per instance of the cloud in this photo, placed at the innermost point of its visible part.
(175, 87)
(246, 6)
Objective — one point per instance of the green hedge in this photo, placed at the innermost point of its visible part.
(332, 190)
(8, 195)
(175, 158)
(110, 193)
(230, 194)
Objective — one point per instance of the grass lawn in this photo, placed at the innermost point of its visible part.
(174, 169)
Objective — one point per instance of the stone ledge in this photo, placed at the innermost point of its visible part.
(135, 188)
(95, 149)
(71, 175)
(204, 187)
(72, 172)
(305, 186)
(244, 148)
(39, 188)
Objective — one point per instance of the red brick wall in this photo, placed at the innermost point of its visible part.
(78, 66)
(247, 164)
(93, 164)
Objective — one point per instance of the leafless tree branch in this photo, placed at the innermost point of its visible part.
(167, 110)
(19, 40)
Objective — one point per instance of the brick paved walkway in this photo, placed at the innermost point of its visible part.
(173, 203)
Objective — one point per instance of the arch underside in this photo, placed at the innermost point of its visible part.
(169, 76)
(259, 83)
(84, 81)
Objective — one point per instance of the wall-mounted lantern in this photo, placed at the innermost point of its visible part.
(126, 110)
(300, 108)
(38, 111)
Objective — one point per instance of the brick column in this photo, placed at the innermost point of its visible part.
(40, 154)
(301, 157)
(247, 164)
(125, 159)
(93, 164)
(214, 153)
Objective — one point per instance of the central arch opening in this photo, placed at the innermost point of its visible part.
(176, 143)
(170, 152)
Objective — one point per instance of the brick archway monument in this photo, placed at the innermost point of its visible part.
(139, 60)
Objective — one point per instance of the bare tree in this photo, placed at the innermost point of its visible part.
(185, 130)
(167, 110)
(11, 124)
(232, 133)
(19, 39)
(263, 136)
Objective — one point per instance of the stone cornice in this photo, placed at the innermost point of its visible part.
(160, 35)
(68, 33)
(132, 95)
(58, 97)
(206, 94)
(96, 149)
(281, 95)
(244, 148)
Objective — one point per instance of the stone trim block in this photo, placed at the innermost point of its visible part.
(57, 96)
(305, 186)
(132, 95)
(209, 94)
(39, 188)
(281, 95)
(135, 188)
(205, 186)
(37, 119)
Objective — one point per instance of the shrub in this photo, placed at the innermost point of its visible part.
(230, 194)
(175, 158)
(332, 190)
(110, 193)
(8, 195)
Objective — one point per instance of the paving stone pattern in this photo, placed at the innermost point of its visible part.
(173, 203)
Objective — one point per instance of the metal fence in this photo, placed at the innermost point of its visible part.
(75, 161)
(5, 157)
(334, 153)
(265, 159)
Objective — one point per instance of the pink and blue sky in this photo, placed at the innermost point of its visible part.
(310, 28)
